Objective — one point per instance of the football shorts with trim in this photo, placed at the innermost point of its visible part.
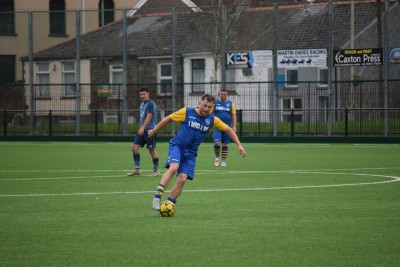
(186, 161)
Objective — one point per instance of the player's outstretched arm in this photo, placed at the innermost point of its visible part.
(235, 138)
(159, 126)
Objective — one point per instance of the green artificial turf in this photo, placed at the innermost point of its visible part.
(71, 204)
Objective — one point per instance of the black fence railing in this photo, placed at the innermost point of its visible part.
(251, 123)
(347, 109)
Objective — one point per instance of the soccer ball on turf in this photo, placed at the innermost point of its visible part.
(167, 209)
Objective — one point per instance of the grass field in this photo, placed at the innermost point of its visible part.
(70, 204)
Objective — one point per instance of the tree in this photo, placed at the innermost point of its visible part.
(212, 29)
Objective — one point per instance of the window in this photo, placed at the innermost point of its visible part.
(323, 77)
(198, 75)
(106, 12)
(292, 77)
(7, 69)
(43, 79)
(116, 79)
(286, 103)
(57, 17)
(69, 78)
(6, 17)
(297, 103)
(165, 78)
(292, 103)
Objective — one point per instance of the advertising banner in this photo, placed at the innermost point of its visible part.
(239, 60)
(394, 56)
(358, 57)
(250, 59)
(302, 58)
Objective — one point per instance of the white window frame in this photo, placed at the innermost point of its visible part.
(292, 99)
(70, 88)
(161, 78)
(286, 111)
(116, 87)
(198, 87)
(287, 77)
(43, 89)
(324, 84)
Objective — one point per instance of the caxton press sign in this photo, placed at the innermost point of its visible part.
(358, 57)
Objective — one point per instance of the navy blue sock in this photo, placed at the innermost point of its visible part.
(136, 159)
(155, 164)
(172, 200)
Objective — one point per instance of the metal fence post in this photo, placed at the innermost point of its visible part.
(96, 123)
(50, 123)
(330, 48)
(275, 64)
(31, 99)
(78, 73)
(174, 55)
(292, 123)
(5, 123)
(386, 67)
(240, 120)
(223, 46)
(346, 122)
(125, 66)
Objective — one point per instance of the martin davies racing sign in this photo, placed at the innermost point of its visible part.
(358, 57)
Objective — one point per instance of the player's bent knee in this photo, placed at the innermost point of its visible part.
(180, 182)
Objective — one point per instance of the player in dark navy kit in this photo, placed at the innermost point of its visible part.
(148, 120)
(183, 147)
(225, 110)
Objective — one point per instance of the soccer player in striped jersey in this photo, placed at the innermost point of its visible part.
(225, 110)
(183, 147)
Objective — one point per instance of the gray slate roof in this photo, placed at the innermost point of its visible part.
(152, 35)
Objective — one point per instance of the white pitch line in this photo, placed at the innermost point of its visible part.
(201, 172)
(19, 171)
(393, 179)
(62, 178)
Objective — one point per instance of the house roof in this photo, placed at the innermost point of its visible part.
(145, 7)
(300, 27)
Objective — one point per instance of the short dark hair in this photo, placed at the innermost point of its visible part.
(223, 90)
(144, 89)
(208, 97)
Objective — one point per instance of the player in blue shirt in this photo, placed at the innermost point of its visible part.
(225, 110)
(148, 120)
(183, 147)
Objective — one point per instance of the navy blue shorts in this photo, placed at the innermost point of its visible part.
(144, 139)
(222, 137)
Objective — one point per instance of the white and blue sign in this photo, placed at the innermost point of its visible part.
(302, 58)
(394, 56)
(240, 60)
(250, 59)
